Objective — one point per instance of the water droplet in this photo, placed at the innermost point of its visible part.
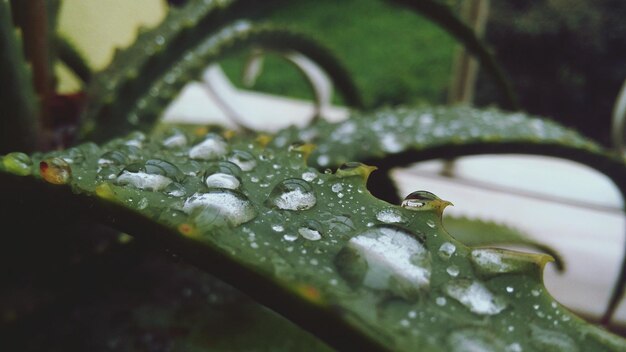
(229, 205)
(390, 216)
(211, 148)
(387, 258)
(548, 340)
(514, 347)
(535, 292)
(431, 223)
(143, 180)
(17, 163)
(278, 228)
(492, 261)
(113, 158)
(323, 160)
(473, 340)
(311, 230)
(309, 176)
(290, 237)
(390, 143)
(222, 180)
(337, 187)
(55, 171)
(453, 270)
(243, 159)
(424, 200)
(292, 194)
(510, 289)
(441, 301)
(475, 296)
(176, 140)
(163, 168)
(142, 204)
(446, 250)
(175, 189)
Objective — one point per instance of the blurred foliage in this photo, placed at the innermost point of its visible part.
(565, 58)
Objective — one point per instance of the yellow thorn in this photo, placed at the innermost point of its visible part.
(105, 191)
(305, 149)
(264, 139)
(355, 169)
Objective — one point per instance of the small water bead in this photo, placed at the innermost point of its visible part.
(222, 180)
(510, 289)
(535, 292)
(387, 258)
(175, 189)
(309, 176)
(446, 250)
(337, 187)
(311, 230)
(475, 296)
(290, 237)
(17, 163)
(453, 270)
(390, 216)
(278, 228)
(211, 148)
(431, 223)
(441, 301)
(55, 170)
(323, 160)
(292, 194)
(230, 205)
(514, 347)
(243, 159)
(390, 143)
(176, 140)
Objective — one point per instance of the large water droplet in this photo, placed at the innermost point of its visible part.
(211, 148)
(311, 230)
(390, 216)
(230, 205)
(292, 194)
(453, 270)
(474, 340)
(55, 171)
(548, 340)
(243, 159)
(113, 158)
(475, 296)
(424, 200)
(143, 180)
(222, 180)
(164, 168)
(176, 140)
(388, 258)
(17, 163)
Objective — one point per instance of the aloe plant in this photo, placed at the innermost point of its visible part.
(290, 219)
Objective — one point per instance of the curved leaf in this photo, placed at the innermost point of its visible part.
(317, 247)
(130, 93)
(18, 101)
(398, 137)
(481, 233)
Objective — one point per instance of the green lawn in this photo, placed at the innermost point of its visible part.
(394, 55)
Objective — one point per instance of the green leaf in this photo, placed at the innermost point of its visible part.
(398, 137)
(18, 100)
(130, 93)
(481, 233)
(318, 248)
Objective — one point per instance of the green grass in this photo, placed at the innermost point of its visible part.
(395, 56)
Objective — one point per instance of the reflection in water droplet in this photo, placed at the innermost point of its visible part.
(55, 171)
(227, 204)
(292, 194)
(243, 159)
(474, 340)
(453, 270)
(311, 230)
(390, 216)
(143, 180)
(424, 200)
(431, 223)
(446, 250)
(387, 258)
(17, 163)
(475, 296)
(211, 148)
(222, 180)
